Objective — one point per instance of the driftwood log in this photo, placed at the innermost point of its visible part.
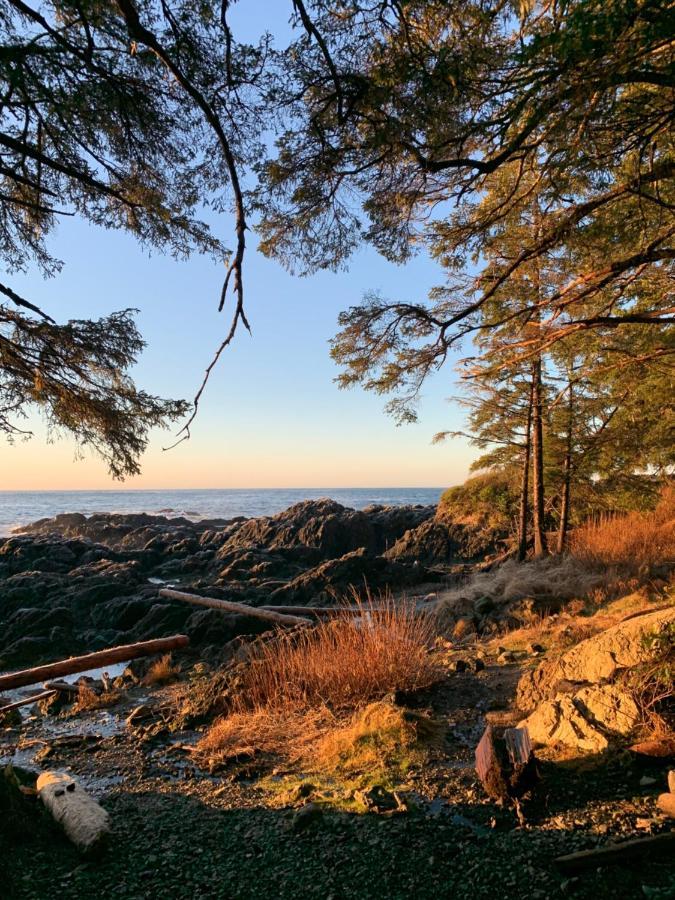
(506, 765)
(238, 608)
(26, 701)
(84, 821)
(626, 851)
(319, 612)
(75, 664)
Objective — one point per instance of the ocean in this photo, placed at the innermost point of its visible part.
(19, 508)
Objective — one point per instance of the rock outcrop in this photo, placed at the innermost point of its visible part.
(75, 583)
(573, 700)
(593, 661)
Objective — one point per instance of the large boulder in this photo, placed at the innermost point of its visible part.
(336, 577)
(586, 721)
(596, 660)
(437, 542)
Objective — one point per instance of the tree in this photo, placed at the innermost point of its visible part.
(113, 112)
(404, 109)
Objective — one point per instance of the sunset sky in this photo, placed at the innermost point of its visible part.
(271, 416)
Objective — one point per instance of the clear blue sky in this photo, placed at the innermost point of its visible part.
(271, 415)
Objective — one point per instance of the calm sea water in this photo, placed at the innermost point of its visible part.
(22, 507)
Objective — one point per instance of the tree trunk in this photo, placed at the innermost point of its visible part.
(540, 548)
(567, 473)
(92, 661)
(525, 485)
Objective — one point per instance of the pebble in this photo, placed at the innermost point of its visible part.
(647, 781)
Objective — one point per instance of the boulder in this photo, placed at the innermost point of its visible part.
(595, 660)
(337, 576)
(586, 721)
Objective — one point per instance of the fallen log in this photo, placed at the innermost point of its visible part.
(26, 701)
(84, 821)
(655, 845)
(319, 611)
(238, 608)
(506, 766)
(75, 664)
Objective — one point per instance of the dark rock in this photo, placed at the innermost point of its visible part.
(353, 570)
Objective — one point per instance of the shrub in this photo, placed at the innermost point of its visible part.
(299, 683)
(489, 500)
(634, 541)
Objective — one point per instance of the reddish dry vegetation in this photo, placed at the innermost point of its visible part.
(297, 685)
(635, 540)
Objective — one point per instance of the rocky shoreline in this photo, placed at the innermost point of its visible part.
(74, 584)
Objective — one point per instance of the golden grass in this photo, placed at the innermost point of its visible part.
(88, 699)
(636, 541)
(379, 737)
(296, 686)
(342, 662)
(161, 671)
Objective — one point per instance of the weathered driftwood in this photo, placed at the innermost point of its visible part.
(324, 611)
(506, 766)
(92, 661)
(84, 821)
(655, 845)
(26, 701)
(239, 608)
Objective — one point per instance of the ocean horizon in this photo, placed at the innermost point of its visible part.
(20, 508)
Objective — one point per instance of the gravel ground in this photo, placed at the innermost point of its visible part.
(178, 833)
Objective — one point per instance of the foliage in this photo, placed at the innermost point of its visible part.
(490, 498)
(103, 115)
(635, 541)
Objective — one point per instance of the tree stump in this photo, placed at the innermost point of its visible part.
(506, 765)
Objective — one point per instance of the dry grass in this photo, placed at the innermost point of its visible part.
(376, 738)
(555, 577)
(298, 685)
(342, 662)
(636, 541)
(88, 699)
(161, 671)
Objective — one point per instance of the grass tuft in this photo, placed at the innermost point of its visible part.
(161, 671)
(295, 687)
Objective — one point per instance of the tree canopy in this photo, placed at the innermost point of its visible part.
(528, 146)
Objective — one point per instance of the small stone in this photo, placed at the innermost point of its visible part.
(508, 656)
(306, 816)
(671, 781)
(478, 665)
(666, 803)
(647, 781)
(535, 649)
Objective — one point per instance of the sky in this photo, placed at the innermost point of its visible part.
(271, 415)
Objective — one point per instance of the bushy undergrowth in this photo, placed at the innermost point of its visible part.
(652, 683)
(300, 683)
(556, 577)
(634, 541)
